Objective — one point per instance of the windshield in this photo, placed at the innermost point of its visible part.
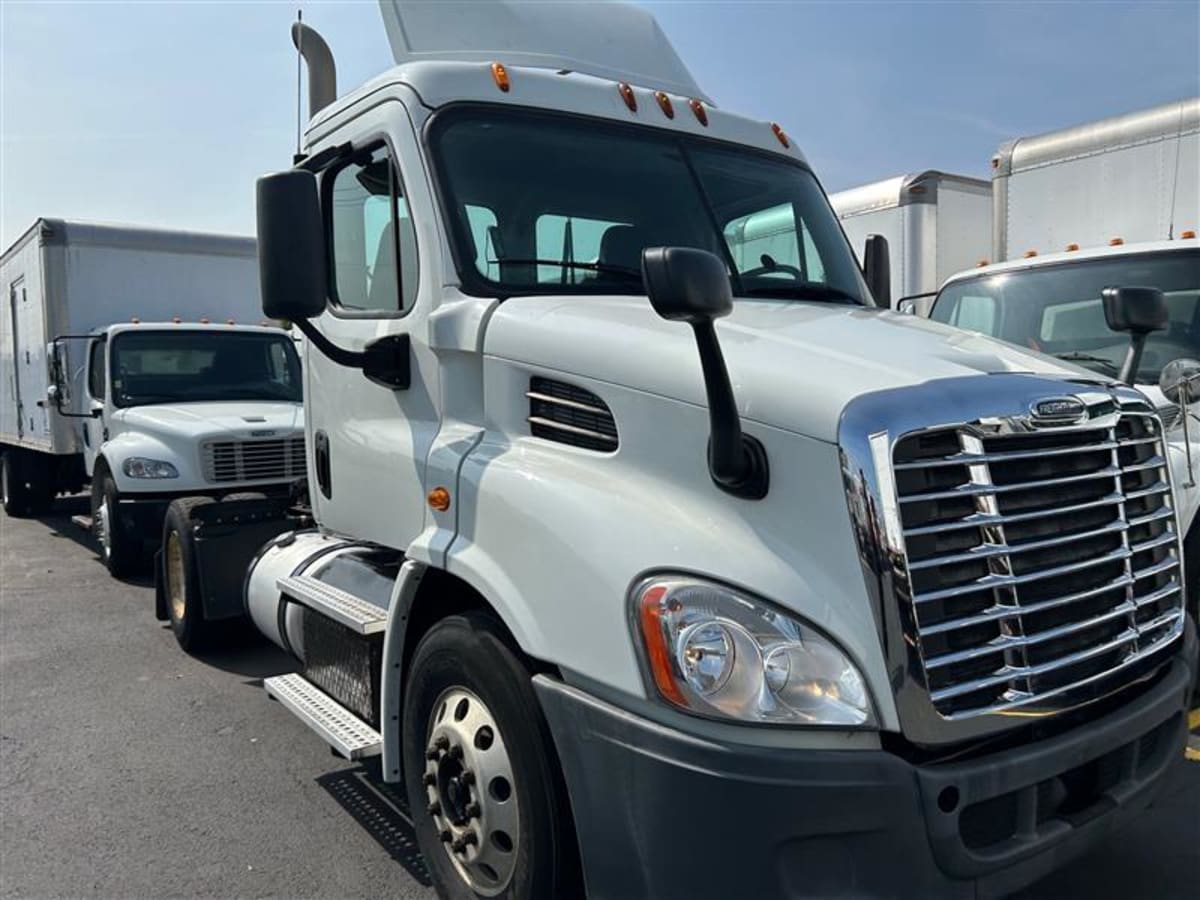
(189, 366)
(550, 204)
(1057, 309)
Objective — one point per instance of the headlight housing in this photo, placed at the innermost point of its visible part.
(141, 467)
(713, 651)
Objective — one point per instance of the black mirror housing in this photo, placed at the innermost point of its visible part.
(877, 269)
(291, 246)
(1139, 310)
(685, 284)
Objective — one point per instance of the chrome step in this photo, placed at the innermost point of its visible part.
(355, 613)
(342, 730)
(84, 522)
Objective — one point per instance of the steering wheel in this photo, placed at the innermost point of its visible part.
(769, 270)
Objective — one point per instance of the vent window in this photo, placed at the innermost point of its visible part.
(570, 415)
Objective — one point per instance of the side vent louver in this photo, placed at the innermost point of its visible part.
(570, 415)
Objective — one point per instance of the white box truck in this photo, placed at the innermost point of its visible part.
(131, 360)
(655, 570)
(936, 224)
(1110, 203)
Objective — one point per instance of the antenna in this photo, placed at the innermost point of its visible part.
(299, 62)
(1175, 184)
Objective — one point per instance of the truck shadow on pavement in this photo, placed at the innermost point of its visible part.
(58, 520)
(382, 810)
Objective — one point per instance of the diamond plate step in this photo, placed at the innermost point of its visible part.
(342, 730)
(355, 613)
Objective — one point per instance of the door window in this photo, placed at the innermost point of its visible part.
(96, 371)
(373, 245)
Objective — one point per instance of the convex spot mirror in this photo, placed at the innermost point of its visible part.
(1180, 381)
(291, 246)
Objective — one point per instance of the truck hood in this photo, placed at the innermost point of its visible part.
(793, 365)
(241, 419)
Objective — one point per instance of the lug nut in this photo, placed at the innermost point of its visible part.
(429, 780)
(470, 838)
(434, 808)
(456, 752)
(473, 811)
(445, 835)
(467, 777)
(441, 742)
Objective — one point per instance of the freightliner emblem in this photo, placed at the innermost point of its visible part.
(1058, 411)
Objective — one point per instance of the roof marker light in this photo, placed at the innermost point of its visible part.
(500, 76)
(628, 96)
(229, 321)
(700, 111)
(779, 133)
(1029, 254)
(1187, 235)
(1116, 242)
(136, 321)
(1071, 248)
(204, 320)
(176, 319)
(664, 103)
(980, 263)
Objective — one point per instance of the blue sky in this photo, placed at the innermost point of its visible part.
(164, 113)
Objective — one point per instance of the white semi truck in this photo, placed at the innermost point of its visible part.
(125, 366)
(810, 601)
(1114, 202)
(935, 223)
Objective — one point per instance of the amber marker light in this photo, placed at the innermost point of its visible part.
(780, 134)
(700, 111)
(1187, 235)
(1071, 248)
(980, 263)
(500, 76)
(628, 96)
(1116, 242)
(1030, 254)
(664, 103)
(439, 499)
(650, 613)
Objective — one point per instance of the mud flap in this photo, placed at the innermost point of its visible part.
(160, 589)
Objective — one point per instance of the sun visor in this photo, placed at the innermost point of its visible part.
(608, 40)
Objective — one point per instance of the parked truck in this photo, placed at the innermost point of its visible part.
(935, 223)
(653, 571)
(143, 410)
(1115, 202)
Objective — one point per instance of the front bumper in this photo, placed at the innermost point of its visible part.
(142, 513)
(664, 814)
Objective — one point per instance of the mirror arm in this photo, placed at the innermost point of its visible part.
(351, 359)
(1133, 357)
(385, 361)
(736, 461)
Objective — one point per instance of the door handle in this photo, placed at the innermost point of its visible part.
(321, 458)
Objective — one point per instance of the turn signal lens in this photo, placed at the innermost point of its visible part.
(500, 76)
(664, 103)
(439, 499)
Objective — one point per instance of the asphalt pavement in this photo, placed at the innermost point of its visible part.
(129, 769)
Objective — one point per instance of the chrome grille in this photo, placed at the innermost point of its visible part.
(570, 415)
(1037, 560)
(279, 459)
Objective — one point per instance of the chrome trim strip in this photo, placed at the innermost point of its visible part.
(573, 404)
(573, 429)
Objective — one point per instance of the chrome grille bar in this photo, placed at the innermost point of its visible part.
(277, 459)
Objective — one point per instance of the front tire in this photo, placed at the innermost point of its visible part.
(181, 581)
(120, 548)
(488, 800)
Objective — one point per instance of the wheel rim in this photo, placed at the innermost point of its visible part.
(471, 792)
(4, 481)
(175, 576)
(103, 531)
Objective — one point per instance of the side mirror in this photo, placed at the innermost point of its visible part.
(1180, 381)
(1139, 311)
(291, 246)
(692, 286)
(908, 307)
(877, 268)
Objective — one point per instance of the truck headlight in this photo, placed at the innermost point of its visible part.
(713, 651)
(141, 467)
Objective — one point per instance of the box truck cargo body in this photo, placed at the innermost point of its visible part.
(1132, 178)
(935, 223)
(70, 278)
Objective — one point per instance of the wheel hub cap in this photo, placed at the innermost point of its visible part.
(470, 791)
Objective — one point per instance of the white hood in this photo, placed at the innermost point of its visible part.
(240, 419)
(793, 365)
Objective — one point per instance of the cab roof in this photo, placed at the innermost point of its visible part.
(1034, 262)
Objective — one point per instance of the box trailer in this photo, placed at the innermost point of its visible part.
(935, 223)
(1126, 179)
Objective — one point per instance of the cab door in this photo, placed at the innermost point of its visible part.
(95, 392)
(369, 442)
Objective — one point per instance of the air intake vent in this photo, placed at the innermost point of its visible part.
(570, 415)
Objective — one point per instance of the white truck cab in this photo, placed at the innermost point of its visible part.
(658, 568)
(175, 409)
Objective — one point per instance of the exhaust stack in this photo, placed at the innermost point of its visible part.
(322, 73)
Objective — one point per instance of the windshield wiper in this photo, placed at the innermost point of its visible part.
(809, 291)
(603, 268)
(1076, 356)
